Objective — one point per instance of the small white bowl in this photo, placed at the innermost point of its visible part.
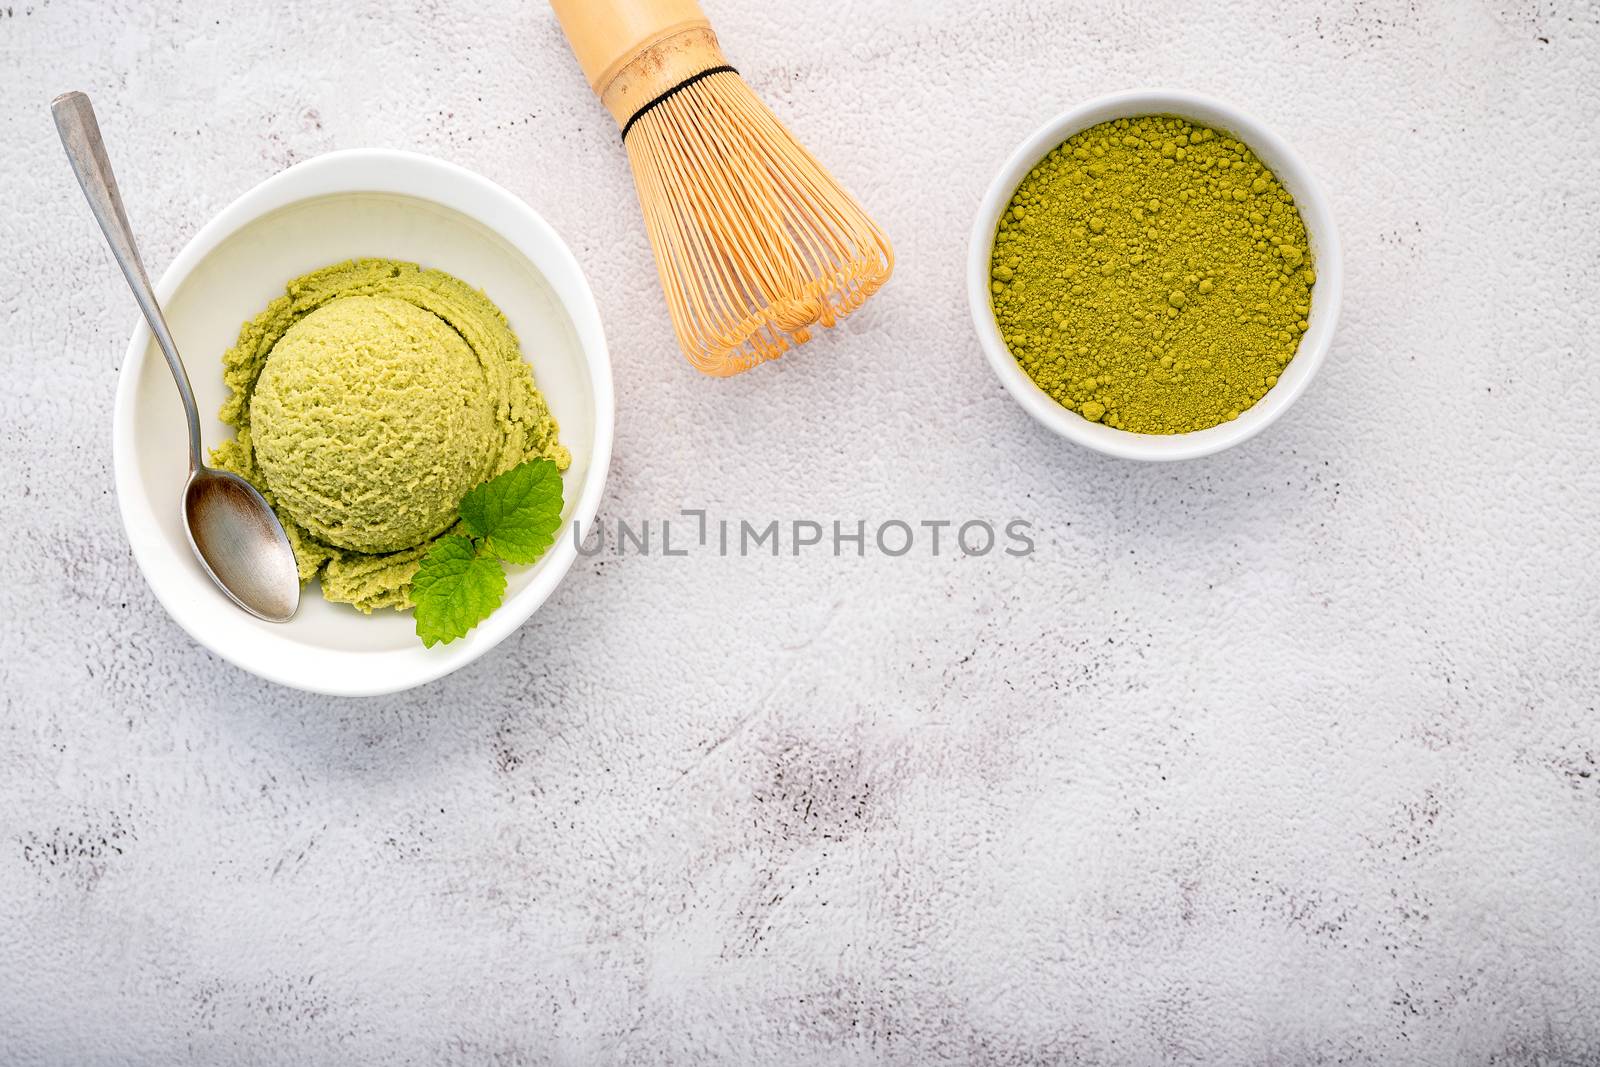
(339, 206)
(1325, 259)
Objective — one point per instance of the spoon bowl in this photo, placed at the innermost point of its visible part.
(241, 544)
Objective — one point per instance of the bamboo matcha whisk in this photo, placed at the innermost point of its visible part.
(754, 241)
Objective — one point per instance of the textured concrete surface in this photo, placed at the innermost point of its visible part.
(1285, 756)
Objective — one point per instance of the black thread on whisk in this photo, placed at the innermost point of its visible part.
(664, 97)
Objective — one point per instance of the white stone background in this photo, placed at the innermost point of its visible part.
(1284, 756)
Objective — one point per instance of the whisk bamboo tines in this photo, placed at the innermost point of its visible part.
(754, 240)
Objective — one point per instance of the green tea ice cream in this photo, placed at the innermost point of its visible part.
(371, 420)
(367, 401)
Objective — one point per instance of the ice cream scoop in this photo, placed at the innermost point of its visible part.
(371, 420)
(233, 532)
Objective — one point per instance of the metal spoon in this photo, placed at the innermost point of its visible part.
(233, 532)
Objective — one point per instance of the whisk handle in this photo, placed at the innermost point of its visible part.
(634, 50)
(606, 34)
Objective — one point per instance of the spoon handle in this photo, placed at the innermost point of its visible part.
(80, 135)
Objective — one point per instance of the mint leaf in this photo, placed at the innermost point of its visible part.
(455, 588)
(512, 517)
(516, 514)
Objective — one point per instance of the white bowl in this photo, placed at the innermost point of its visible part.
(1325, 258)
(396, 205)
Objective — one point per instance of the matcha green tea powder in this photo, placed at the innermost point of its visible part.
(1153, 275)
